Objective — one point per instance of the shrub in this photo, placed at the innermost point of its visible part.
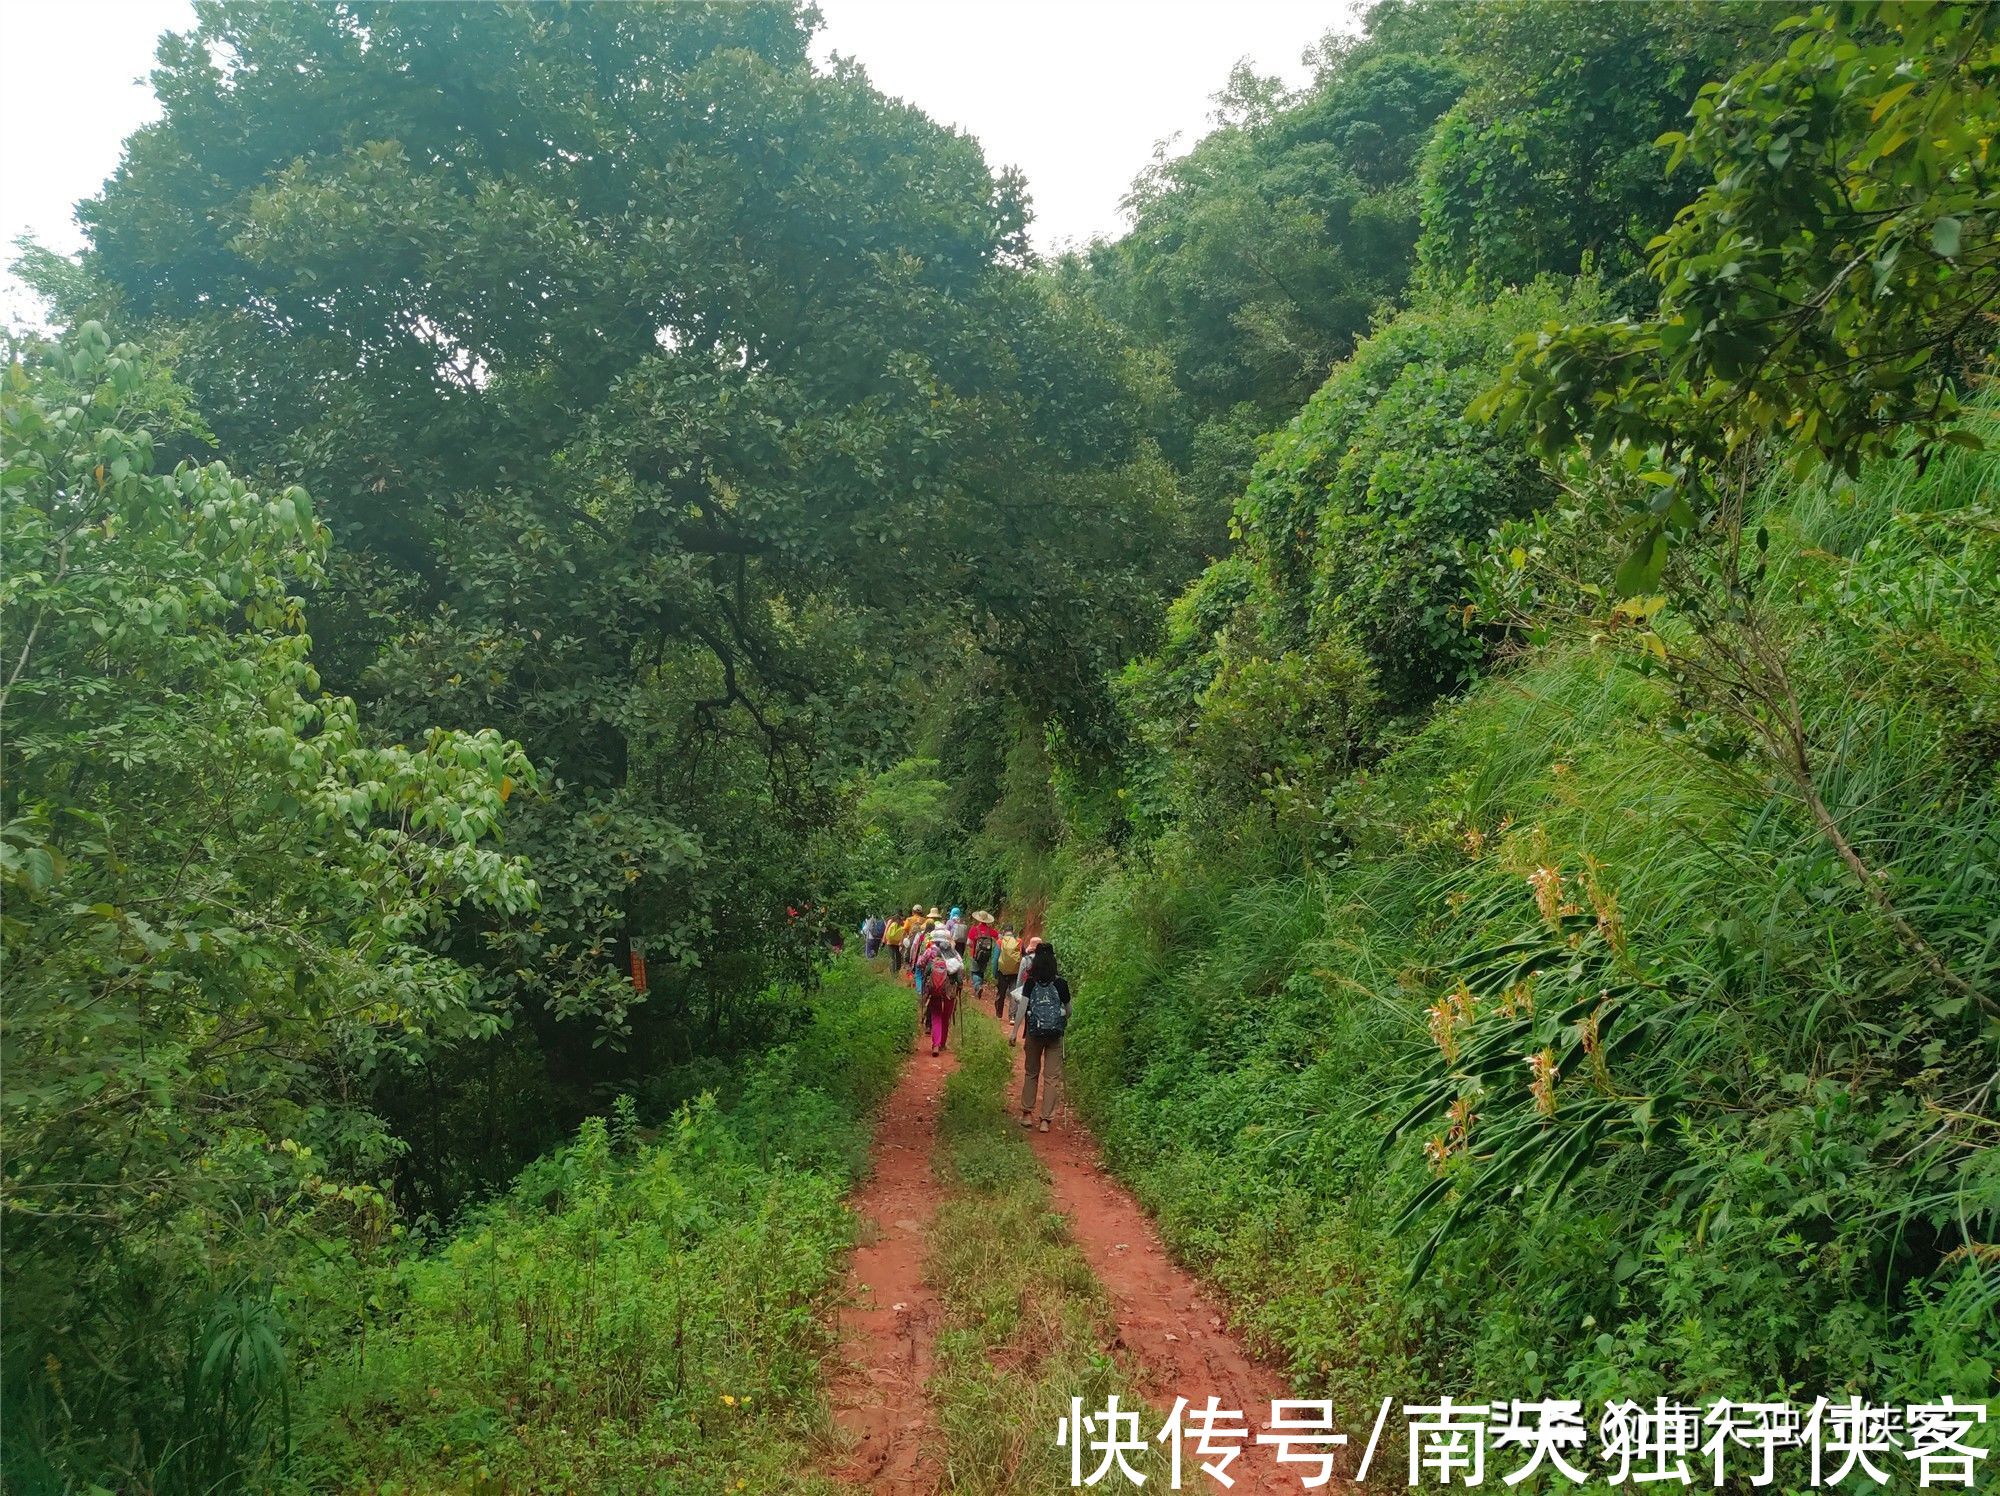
(1281, 729)
(1362, 508)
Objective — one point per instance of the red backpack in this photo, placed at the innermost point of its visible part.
(937, 981)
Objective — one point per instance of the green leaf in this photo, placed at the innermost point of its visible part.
(1642, 568)
(1890, 100)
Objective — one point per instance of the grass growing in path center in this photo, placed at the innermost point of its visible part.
(1025, 1320)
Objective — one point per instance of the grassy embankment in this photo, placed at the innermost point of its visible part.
(636, 1314)
(1787, 1185)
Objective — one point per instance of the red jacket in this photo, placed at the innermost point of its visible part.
(972, 937)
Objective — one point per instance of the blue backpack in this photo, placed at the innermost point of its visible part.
(1046, 1015)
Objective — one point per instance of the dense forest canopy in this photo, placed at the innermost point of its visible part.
(1484, 596)
(654, 387)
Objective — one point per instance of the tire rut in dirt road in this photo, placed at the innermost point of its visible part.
(890, 1314)
(1169, 1327)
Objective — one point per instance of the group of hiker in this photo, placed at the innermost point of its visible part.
(944, 953)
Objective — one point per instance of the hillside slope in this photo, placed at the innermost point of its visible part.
(1592, 944)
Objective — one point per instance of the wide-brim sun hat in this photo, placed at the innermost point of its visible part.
(982, 916)
(934, 914)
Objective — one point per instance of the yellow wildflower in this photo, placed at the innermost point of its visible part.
(1604, 903)
(1542, 1081)
(1547, 884)
(1444, 1029)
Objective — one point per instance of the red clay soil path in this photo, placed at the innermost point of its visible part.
(1169, 1330)
(890, 1314)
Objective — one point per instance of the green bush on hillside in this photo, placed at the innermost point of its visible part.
(1280, 728)
(1365, 510)
(1225, 720)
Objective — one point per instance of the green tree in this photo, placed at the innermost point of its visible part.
(658, 387)
(1827, 288)
(1257, 258)
(1547, 165)
(223, 907)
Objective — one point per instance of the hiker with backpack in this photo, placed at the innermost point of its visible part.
(1045, 1015)
(983, 942)
(1007, 971)
(1017, 992)
(1013, 953)
(933, 941)
(940, 971)
(917, 941)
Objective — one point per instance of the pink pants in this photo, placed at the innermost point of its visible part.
(940, 1019)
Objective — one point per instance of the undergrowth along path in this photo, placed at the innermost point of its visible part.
(889, 1315)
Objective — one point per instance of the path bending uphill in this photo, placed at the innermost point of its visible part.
(1170, 1334)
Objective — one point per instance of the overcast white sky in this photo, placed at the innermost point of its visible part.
(1075, 92)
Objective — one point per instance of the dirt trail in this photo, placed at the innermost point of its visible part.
(891, 1314)
(1169, 1328)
